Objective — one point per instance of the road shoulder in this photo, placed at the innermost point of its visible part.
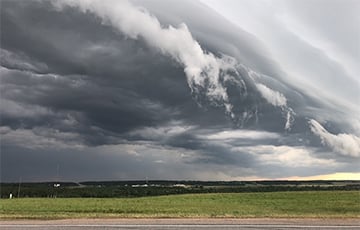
(192, 221)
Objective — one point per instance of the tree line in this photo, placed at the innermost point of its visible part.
(126, 190)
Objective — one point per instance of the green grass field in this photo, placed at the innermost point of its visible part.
(320, 204)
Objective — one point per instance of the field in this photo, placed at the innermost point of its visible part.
(318, 204)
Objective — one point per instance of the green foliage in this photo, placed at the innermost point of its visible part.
(157, 188)
(270, 204)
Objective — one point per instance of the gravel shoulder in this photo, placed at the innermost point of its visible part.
(190, 221)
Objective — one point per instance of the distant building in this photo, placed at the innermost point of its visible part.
(139, 185)
(179, 185)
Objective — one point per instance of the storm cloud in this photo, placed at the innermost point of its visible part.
(126, 90)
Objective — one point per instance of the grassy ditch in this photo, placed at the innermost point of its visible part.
(318, 204)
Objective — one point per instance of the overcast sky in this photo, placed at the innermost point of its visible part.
(165, 89)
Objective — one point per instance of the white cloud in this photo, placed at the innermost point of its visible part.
(289, 119)
(156, 133)
(345, 144)
(277, 99)
(273, 97)
(287, 156)
(241, 134)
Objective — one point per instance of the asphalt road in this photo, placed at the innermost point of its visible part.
(176, 224)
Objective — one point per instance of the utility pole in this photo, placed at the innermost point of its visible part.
(57, 183)
(58, 174)
(18, 195)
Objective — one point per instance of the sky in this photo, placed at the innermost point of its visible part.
(179, 90)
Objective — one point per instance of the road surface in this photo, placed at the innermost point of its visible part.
(175, 224)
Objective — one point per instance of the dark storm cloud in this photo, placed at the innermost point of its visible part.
(52, 98)
(114, 95)
(143, 72)
(77, 91)
(76, 165)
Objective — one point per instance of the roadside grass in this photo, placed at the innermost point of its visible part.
(314, 204)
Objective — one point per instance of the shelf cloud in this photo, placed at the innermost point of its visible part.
(206, 90)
